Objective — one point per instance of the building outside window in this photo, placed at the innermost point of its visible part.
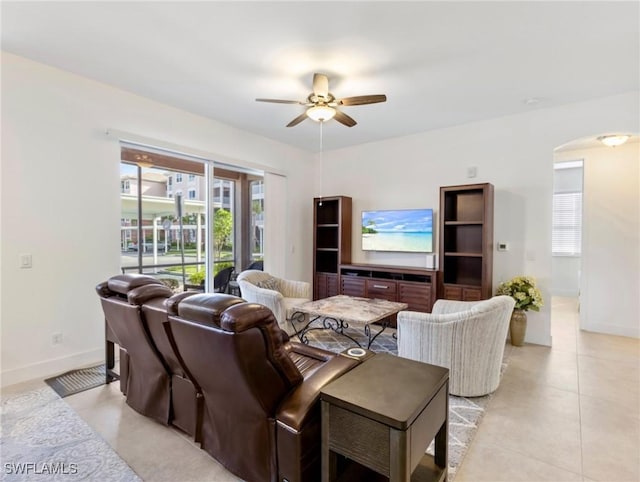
(152, 239)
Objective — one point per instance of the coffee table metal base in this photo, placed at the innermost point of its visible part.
(337, 325)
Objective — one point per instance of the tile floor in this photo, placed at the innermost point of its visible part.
(567, 413)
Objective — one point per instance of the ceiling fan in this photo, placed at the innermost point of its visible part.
(322, 104)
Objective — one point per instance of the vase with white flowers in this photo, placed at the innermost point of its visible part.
(527, 297)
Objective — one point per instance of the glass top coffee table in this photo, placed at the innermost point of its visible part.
(340, 312)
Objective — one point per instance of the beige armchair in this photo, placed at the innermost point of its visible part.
(277, 294)
(468, 338)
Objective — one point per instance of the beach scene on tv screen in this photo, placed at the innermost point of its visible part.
(402, 230)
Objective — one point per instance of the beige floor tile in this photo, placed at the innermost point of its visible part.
(90, 398)
(532, 366)
(614, 380)
(610, 441)
(609, 346)
(543, 424)
(145, 444)
(490, 463)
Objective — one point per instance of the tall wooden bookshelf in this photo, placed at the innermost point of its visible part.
(466, 242)
(331, 243)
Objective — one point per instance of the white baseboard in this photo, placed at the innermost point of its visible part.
(570, 293)
(52, 367)
(538, 339)
(612, 329)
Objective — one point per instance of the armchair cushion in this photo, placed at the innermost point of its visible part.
(268, 284)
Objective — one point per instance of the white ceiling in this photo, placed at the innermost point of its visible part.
(439, 63)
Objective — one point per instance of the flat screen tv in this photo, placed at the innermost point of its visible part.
(402, 230)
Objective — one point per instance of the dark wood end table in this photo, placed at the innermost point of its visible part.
(383, 414)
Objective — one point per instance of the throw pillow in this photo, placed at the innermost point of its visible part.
(268, 284)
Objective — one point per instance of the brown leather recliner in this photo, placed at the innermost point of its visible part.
(186, 400)
(261, 391)
(147, 382)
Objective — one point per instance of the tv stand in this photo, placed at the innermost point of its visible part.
(404, 284)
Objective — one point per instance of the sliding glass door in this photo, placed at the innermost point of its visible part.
(184, 220)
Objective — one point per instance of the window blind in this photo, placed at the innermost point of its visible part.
(567, 224)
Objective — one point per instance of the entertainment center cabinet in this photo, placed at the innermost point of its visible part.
(331, 243)
(411, 285)
(466, 242)
(465, 248)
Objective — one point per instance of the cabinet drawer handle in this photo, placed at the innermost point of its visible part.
(381, 287)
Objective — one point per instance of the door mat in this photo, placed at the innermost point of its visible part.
(76, 381)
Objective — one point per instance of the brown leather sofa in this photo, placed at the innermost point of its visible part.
(261, 416)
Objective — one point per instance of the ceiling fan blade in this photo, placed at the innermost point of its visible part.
(297, 120)
(280, 101)
(321, 85)
(344, 119)
(363, 99)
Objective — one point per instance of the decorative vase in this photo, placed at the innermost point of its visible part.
(518, 327)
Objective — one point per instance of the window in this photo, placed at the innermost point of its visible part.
(567, 224)
(155, 240)
(256, 230)
(566, 237)
(124, 186)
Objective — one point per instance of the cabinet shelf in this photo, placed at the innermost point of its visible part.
(328, 225)
(461, 223)
(466, 255)
(326, 249)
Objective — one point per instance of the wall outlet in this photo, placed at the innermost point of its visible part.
(56, 338)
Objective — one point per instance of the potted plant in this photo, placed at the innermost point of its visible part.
(527, 297)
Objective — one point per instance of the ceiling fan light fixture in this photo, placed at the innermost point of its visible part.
(320, 113)
(614, 140)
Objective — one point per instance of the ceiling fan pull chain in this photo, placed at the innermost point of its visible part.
(320, 196)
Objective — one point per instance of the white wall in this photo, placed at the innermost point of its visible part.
(514, 153)
(610, 282)
(60, 202)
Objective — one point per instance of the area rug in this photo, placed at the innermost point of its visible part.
(76, 381)
(464, 413)
(43, 439)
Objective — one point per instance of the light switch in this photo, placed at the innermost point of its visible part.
(503, 246)
(25, 261)
(472, 171)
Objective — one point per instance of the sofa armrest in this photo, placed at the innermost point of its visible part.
(298, 406)
(295, 289)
